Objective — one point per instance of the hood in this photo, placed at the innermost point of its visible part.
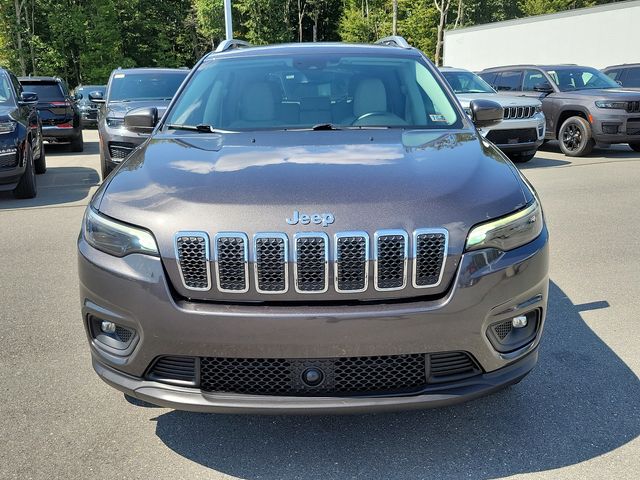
(120, 109)
(367, 180)
(603, 94)
(7, 112)
(503, 100)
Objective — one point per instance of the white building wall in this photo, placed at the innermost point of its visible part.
(597, 37)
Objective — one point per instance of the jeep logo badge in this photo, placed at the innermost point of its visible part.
(324, 219)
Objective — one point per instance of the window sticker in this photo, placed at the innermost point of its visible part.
(437, 117)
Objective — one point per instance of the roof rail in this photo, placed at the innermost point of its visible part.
(231, 44)
(394, 41)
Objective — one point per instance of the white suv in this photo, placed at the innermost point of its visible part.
(520, 133)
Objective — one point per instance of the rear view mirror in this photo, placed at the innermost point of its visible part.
(96, 97)
(28, 98)
(141, 120)
(485, 113)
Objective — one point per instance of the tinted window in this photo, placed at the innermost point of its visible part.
(534, 79)
(145, 86)
(580, 78)
(489, 77)
(632, 78)
(467, 82)
(5, 90)
(86, 90)
(508, 81)
(613, 74)
(299, 91)
(47, 91)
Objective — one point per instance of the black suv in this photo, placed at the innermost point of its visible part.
(582, 105)
(88, 109)
(58, 110)
(627, 75)
(21, 149)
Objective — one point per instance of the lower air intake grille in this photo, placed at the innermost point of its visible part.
(450, 366)
(8, 159)
(352, 256)
(430, 253)
(341, 376)
(271, 263)
(513, 137)
(192, 251)
(120, 151)
(174, 370)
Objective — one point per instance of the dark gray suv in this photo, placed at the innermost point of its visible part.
(582, 105)
(314, 228)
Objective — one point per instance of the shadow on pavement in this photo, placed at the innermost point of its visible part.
(581, 401)
(62, 149)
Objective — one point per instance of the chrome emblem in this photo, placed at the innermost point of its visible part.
(324, 219)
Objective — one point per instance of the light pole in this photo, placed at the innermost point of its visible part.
(228, 23)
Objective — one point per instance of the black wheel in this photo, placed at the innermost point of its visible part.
(77, 144)
(635, 146)
(522, 158)
(27, 185)
(575, 137)
(41, 161)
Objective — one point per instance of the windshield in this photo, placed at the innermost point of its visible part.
(580, 78)
(302, 91)
(145, 86)
(47, 91)
(5, 90)
(467, 82)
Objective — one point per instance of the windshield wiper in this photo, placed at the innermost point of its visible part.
(202, 127)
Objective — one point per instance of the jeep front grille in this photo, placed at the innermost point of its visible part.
(517, 113)
(633, 107)
(317, 261)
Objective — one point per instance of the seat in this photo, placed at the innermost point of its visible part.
(370, 97)
(257, 107)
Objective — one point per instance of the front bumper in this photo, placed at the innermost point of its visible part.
(115, 142)
(133, 292)
(609, 128)
(11, 168)
(517, 126)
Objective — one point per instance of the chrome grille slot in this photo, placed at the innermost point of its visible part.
(271, 258)
(232, 257)
(311, 262)
(512, 113)
(390, 255)
(430, 249)
(192, 255)
(352, 262)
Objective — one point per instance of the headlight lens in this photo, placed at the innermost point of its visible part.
(611, 104)
(7, 127)
(508, 232)
(116, 238)
(115, 122)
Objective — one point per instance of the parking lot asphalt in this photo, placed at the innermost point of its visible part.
(576, 416)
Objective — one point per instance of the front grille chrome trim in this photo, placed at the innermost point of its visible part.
(376, 240)
(422, 231)
(207, 249)
(336, 262)
(216, 253)
(285, 239)
(301, 235)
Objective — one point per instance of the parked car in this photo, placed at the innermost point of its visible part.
(314, 228)
(627, 75)
(128, 89)
(57, 109)
(22, 153)
(520, 133)
(88, 109)
(582, 105)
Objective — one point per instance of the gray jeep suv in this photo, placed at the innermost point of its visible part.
(313, 228)
(582, 105)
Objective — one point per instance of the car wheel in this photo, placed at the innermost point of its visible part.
(575, 137)
(41, 162)
(77, 144)
(635, 146)
(522, 158)
(27, 185)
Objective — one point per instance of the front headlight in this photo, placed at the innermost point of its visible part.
(508, 232)
(7, 127)
(116, 238)
(611, 104)
(115, 122)
(538, 108)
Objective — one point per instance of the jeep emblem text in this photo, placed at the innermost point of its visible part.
(325, 219)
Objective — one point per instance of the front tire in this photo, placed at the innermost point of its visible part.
(575, 137)
(41, 162)
(77, 143)
(635, 146)
(27, 185)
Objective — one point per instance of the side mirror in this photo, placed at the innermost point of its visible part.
(96, 97)
(619, 82)
(543, 87)
(141, 120)
(28, 98)
(486, 113)
(77, 96)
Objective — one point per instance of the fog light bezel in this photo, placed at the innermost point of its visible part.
(111, 342)
(517, 338)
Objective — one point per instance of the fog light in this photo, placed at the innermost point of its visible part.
(108, 327)
(518, 322)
